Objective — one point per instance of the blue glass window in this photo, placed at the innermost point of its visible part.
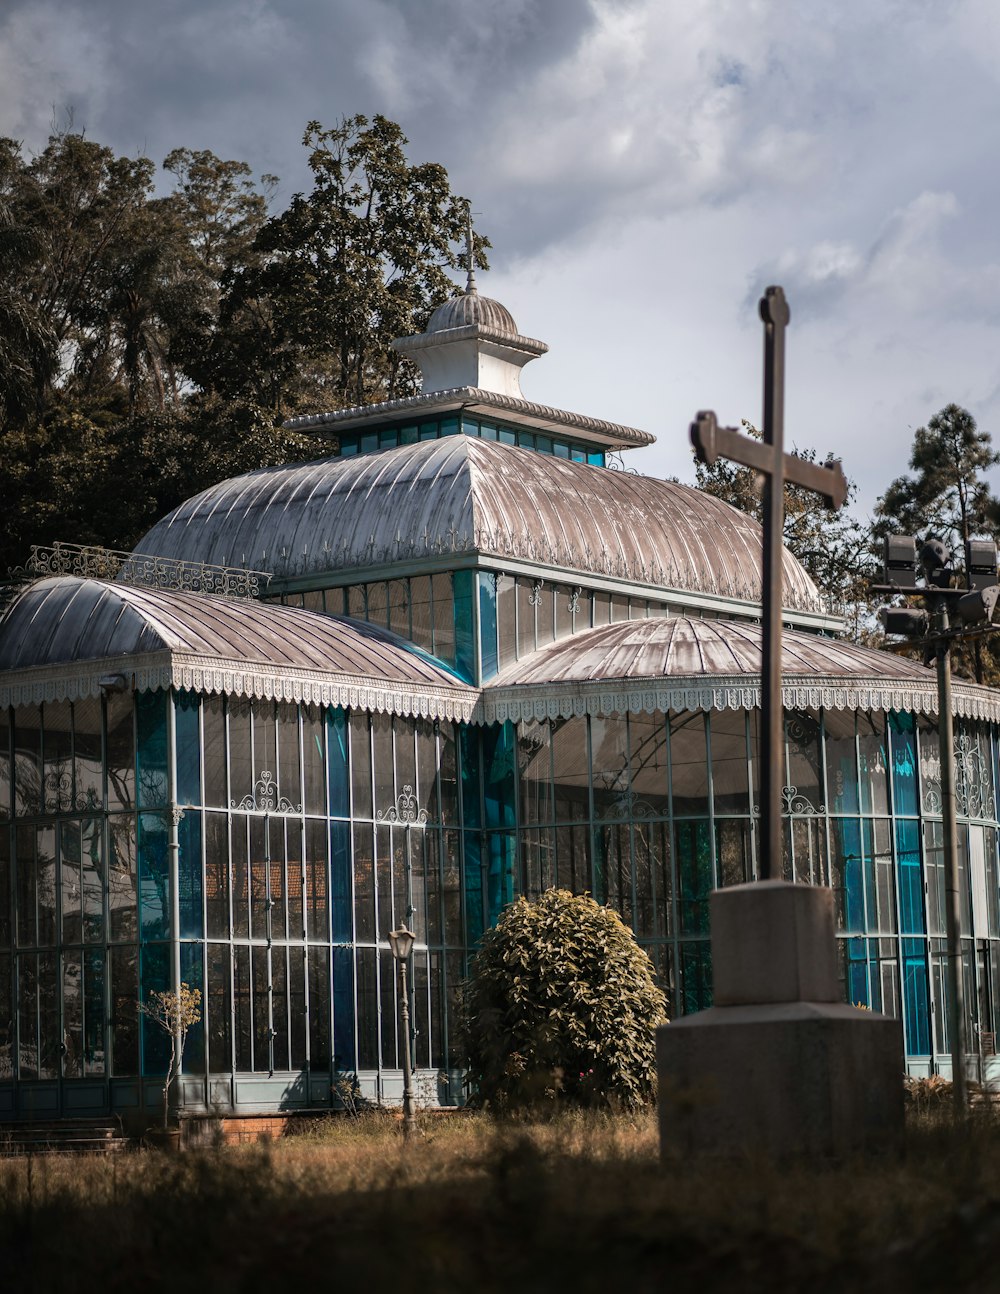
(488, 624)
(188, 749)
(465, 638)
(190, 874)
(151, 713)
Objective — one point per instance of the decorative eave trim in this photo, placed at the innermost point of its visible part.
(161, 670)
(457, 397)
(733, 692)
(462, 703)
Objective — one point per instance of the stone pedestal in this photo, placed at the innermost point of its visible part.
(780, 1064)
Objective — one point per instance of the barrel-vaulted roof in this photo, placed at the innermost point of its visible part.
(64, 633)
(687, 664)
(463, 495)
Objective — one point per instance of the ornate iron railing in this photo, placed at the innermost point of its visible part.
(94, 562)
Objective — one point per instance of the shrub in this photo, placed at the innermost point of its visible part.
(561, 1005)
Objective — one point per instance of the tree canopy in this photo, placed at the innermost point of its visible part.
(152, 343)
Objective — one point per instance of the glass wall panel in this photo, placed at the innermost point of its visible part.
(151, 727)
(214, 722)
(650, 787)
(88, 754)
(57, 747)
(124, 974)
(6, 781)
(28, 760)
(841, 761)
(688, 764)
(872, 763)
(288, 772)
(803, 790)
(444, 618)
(187, 728)
(730, 761)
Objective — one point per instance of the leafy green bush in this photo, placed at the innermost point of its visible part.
(561, 1006)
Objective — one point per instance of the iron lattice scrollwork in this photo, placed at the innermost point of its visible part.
(794, 802)
(973, 780)
(93, 562)
(265, 798)
(629, 805)
(405, 812)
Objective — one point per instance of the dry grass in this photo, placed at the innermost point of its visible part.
(578, 1203)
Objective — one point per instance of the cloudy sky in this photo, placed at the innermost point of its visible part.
(643, 167)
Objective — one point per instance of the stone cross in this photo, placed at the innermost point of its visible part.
(711, 442)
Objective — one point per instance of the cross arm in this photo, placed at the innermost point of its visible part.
(711, 442)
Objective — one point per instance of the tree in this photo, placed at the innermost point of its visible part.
(175, 1013)
(947, 497)
(348, 267)
(561, 1005)
(834, 547)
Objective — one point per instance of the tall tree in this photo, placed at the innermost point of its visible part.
(833, 547)
(356, 262)
(947, 496)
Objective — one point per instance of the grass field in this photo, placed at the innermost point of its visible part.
(578, 1204)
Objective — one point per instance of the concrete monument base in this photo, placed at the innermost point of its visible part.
(780, 1064)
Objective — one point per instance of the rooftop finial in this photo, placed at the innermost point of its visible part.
(470, 282)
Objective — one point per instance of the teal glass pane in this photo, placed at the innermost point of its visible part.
(469, 758)
(340, 881)
(343, 1009)
(544, 444)
(868, 855)
(526, 439)
(154, 971)
(409, 435)
(693, 847)
(903, 734)
(595, 457)
(506, 436)
(472, 872)
(192, 974)
(428, 431)
(488, 624)
(465, 639)
(502, 847)
(500, 774)
(916, 998)
(848, 832)
(369, 442)
(577, 454)
(151, 717)
(189, 875)
(339, 767)
(186, 710)
(488, 431)
(911, 885)
(857, 972)
(560, 449)
(348, 446)
(154, 877)
(449, 427)
(388, 439)
(696, 976)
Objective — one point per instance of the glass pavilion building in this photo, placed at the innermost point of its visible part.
(479, 662)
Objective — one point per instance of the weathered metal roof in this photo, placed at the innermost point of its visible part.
(62, 633)
(462, 495)
(467, 308)
(687, 664)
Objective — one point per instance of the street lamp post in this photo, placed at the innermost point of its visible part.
(401, 943)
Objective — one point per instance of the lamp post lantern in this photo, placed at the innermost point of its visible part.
(401, 943)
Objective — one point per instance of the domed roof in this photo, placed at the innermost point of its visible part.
(65, 632)
(470, 308)
(463, 496)
(684, 664)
